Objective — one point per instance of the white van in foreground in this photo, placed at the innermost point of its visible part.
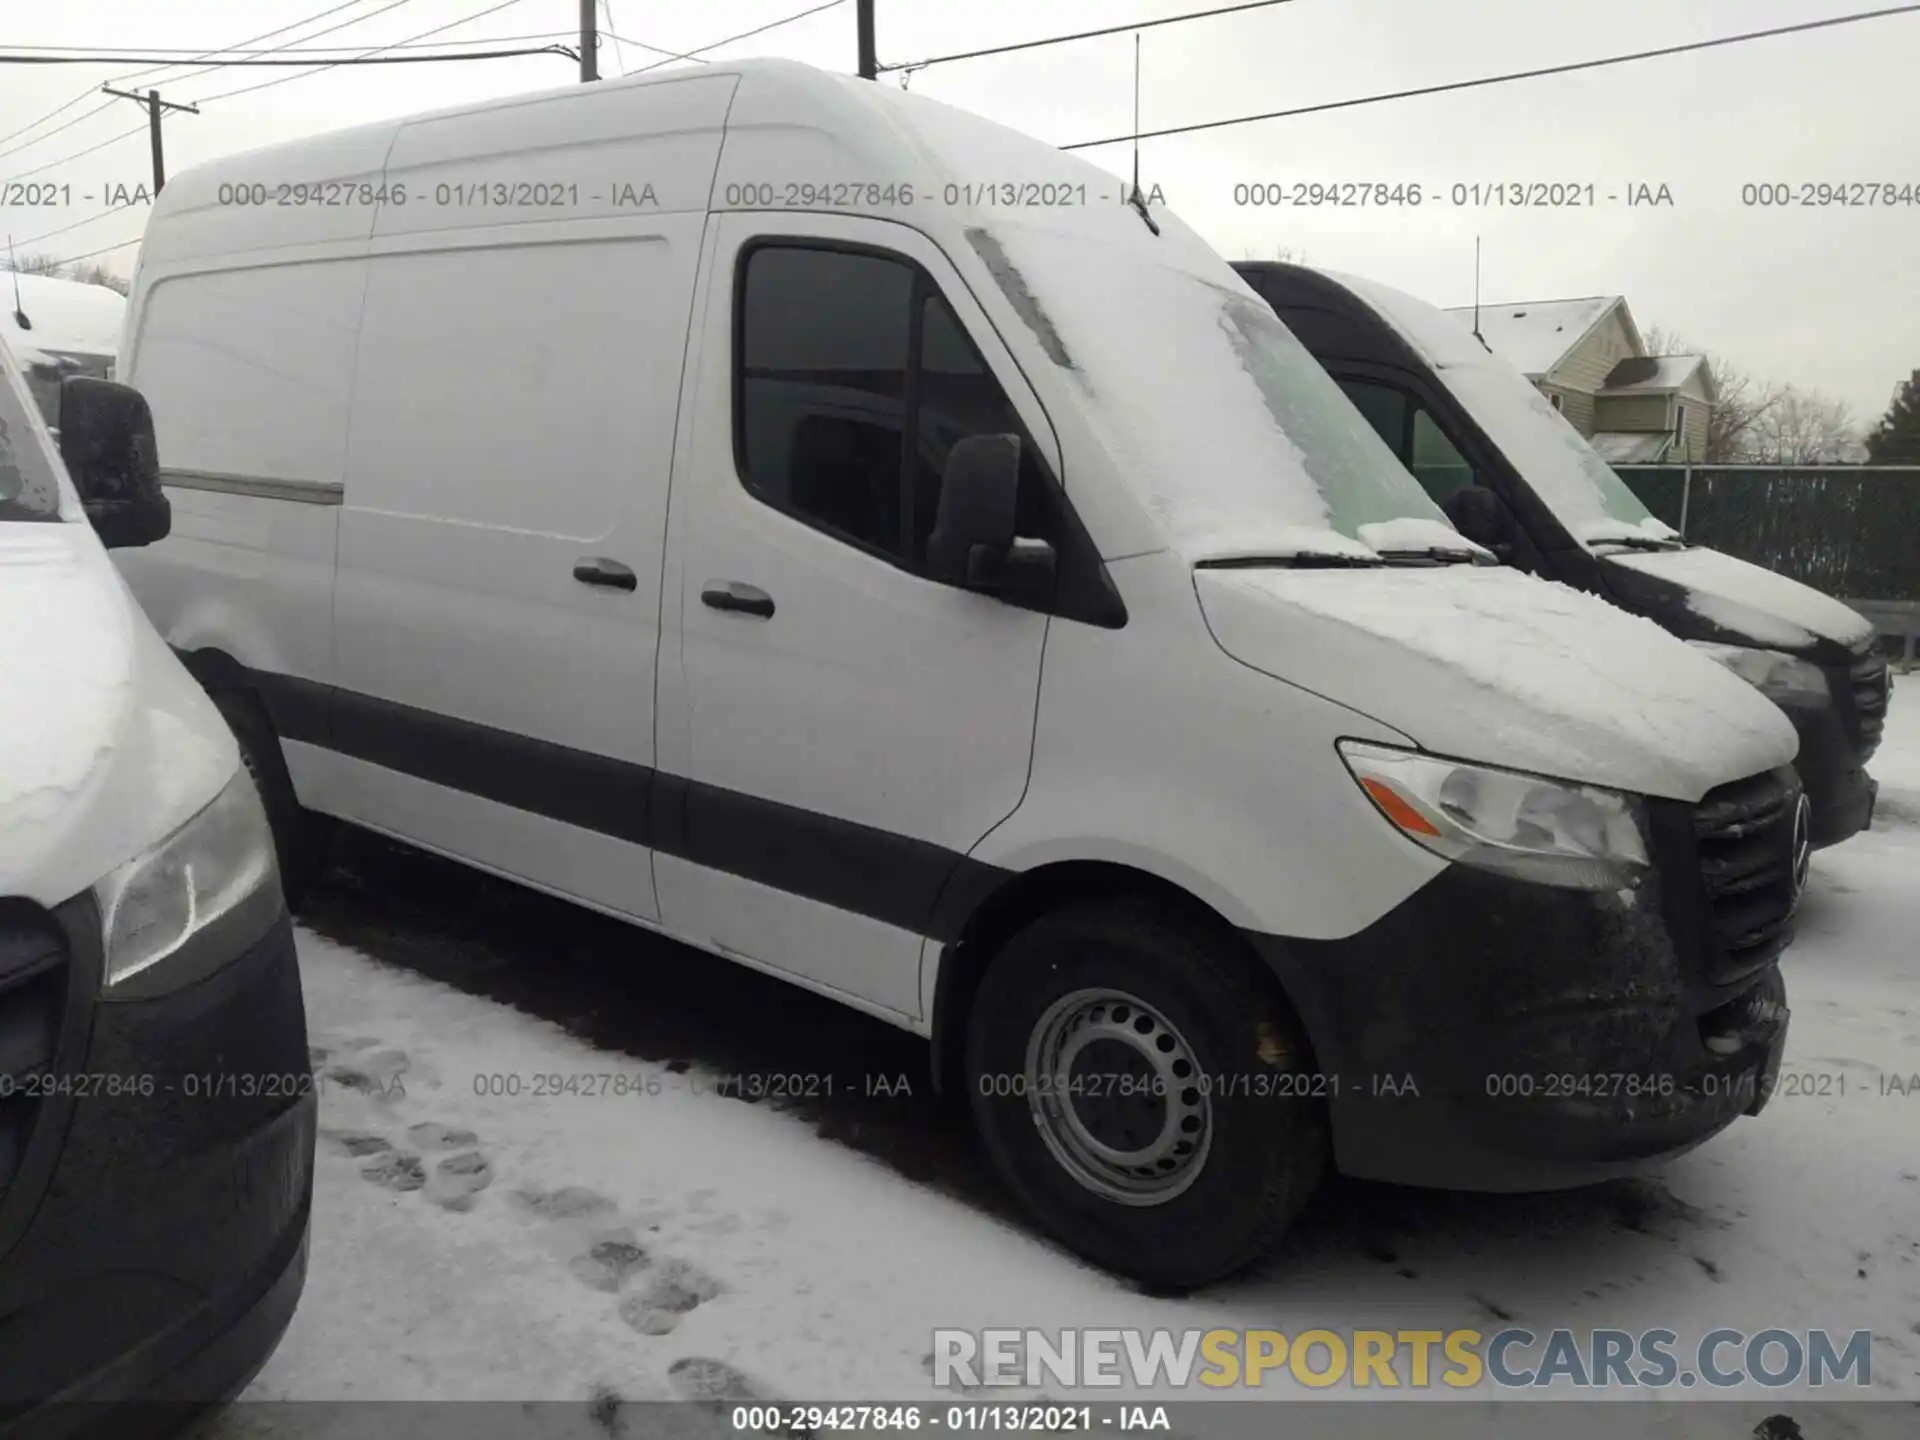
(842, 534)
(156, 1105)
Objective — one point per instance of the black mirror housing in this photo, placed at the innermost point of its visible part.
(107, 442)
(978, 492)
(1483, 517)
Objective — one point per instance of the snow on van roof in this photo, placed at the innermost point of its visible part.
(1041, 234)
(1534, 336)
(64, 316)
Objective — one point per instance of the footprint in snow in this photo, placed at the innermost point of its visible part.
(457, 1180)
(673, 1290)
(396, 1171)
(608, 1263)
(355, 1144)
(570, 1202)
(712, 1383)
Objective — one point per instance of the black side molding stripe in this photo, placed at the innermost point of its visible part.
(908, 883)
(557, 781)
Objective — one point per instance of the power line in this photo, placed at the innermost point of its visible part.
(171, 65)
(670, 54)
(619, 46)
(91, 219)
(743, 35)
(103, 250)
(1086, 34)
(367, 57)
(78, 154)
(320, 62)
(1500, 79)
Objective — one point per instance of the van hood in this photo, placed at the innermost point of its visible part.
(106, 743)
(1704, 594)
(1486, 664)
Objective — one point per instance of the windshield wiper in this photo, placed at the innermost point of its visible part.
(1320, 560)
(1435, 555)
(1638, 542)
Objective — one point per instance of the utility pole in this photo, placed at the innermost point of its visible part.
(153, 105)
(863, 18)
(589, 43)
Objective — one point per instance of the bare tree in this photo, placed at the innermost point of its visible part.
(1803, 427)
(94, 273)
(1740, 401)
(31, 264)
(91, 273)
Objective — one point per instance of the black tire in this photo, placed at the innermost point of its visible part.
(298, 836)
(1266, 1146)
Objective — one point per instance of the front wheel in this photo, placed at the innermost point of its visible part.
(1144, 1089)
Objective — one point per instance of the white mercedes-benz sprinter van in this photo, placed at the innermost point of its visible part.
(156, 1105)
(848, 536)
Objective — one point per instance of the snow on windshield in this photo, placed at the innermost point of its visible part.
(1236, 440)
(29, 487)
(1582, 490)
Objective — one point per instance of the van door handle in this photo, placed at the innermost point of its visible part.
(598, 570)
(732, 595)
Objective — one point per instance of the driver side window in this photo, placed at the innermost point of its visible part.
(854, 382)
(1414, 436)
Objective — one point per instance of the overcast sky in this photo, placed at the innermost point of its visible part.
(1822, 297)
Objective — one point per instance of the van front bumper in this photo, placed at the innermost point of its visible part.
(1494, 1035)
(153, 1244)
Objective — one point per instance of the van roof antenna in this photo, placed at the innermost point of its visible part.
(1136, 199)
(1476, 298)
(19, 310)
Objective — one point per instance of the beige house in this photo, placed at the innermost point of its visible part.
(1587, 357)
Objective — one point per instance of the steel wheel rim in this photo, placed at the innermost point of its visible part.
(1136, 1131)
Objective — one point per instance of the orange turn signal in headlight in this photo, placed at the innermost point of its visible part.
(1398, 809)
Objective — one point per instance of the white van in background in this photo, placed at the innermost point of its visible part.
(843, 534)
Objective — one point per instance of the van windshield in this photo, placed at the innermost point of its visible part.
(1582, 490)
(29, 486)
(1239, 444)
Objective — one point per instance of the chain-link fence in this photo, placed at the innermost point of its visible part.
(1850, 530)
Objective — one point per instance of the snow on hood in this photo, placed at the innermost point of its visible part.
(1487, 664)
(106, 743)
(1761, 605)
(1584, 492)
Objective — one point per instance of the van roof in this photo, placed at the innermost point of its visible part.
(67, 317)
(784, 124)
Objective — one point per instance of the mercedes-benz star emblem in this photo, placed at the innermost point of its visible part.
(1802, 855)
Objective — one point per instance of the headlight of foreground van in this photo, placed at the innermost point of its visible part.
(1773, 673)
(1573, 836)
(159, 900)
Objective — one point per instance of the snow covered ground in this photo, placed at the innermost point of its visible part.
(673, 1240)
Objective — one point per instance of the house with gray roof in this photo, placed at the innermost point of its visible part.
(1587, 357)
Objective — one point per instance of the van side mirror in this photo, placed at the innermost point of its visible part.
(1483, 517)
(106, 439)
(972, 543)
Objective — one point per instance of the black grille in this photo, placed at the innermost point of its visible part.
(33, 994)
(1744, 836)
(1868, 684)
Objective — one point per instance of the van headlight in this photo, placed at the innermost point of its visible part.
(164, 896)
(1774, 673)
(1574, 836)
